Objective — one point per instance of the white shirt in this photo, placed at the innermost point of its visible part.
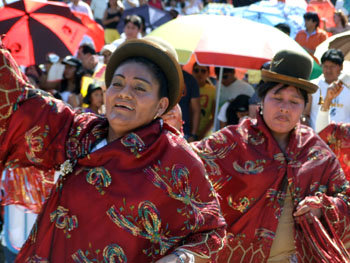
(99, 7)
(340, 108)
(222, 113)
(81, 7)
(238, 87)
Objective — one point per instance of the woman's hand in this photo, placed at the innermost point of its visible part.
(311, 204)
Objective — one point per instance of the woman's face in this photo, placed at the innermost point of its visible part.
(69, 71)
(282, 108)
(132, 99)
(97, 98)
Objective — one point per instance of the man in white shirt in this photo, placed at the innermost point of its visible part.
(231, 86)
(98, 7)
(332, 66)
(81, 6)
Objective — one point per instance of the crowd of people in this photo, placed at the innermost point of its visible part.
(141, 167)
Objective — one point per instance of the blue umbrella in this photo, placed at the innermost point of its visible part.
(154, 17)
(270, 13)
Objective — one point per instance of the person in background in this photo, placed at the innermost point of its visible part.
(81, 6)
(98, 8)
(341, 23)
(94, 99)
(232, 111)
(132, 29)
(272, 171)
(107, 51)
(111, 18)
(231, 86)
(207, 94)
(190, 107)
(332, 65)
(130, 4)
(313, 35)
(71, 83)
(284, 27)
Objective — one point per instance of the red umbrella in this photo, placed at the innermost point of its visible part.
(95, 30)
(34, 28)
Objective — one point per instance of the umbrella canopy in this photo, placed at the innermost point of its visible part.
(224, 40)
(35, 28)
(154, 17)
(95, 30)
(339, 41)
(272, 13)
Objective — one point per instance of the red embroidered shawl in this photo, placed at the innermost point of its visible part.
(134, 200)
(337, 136)
(247, 169)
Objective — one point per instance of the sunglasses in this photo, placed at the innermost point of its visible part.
(225, 76)
(197, 70)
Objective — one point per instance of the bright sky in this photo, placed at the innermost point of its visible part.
(7, 1)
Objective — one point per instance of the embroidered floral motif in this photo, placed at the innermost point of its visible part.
(63, 220)
(111, 253)
(250, 167)
(147, 225)
(273, 196)
(256, 139)
(264, 233)
(66, 168)
(35, 144)
(242, 205)
(36, 259)
(317, 153)
(99, 177)
(135, 143)
(175, 181)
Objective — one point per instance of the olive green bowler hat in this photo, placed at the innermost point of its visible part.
(292, 68)
(156, 52)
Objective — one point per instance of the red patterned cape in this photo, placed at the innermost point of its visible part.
(247, 169)
(133, 200)
(337, 136)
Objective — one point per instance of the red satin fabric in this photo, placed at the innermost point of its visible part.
(337, 136)
(247, 168)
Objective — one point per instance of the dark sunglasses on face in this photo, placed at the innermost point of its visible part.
(197, 70)
(225, 76)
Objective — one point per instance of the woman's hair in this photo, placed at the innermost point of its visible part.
(342, 16)
(239, 104)
(264, 87)
(77, 81)
(155, 70)
(134, 19)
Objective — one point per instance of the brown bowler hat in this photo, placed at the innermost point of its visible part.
(292, 68)
(156, 52)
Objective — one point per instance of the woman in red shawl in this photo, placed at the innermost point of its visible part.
(272, 170)
(130, 189)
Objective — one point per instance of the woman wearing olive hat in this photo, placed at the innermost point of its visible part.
(129, 190)
(272, 171)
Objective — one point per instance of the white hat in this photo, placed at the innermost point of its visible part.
(109, 47)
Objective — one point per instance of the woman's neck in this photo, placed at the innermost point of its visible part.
(282, 140)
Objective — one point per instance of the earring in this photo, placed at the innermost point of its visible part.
(261, 110)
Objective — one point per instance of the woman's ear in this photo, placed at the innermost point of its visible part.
(162, 106)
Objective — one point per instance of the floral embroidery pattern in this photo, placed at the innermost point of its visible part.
(178, 187)
(63, 220)
(264, 233)
(111, 253)
(135, 143)
(317, 153)
(36, 259)
(273, 196)
(147, 225)
(242, 205)
(250, 167)
(35, 144)
(99, 177)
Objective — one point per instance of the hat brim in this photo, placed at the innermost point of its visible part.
(309, 87)
(158, 55)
